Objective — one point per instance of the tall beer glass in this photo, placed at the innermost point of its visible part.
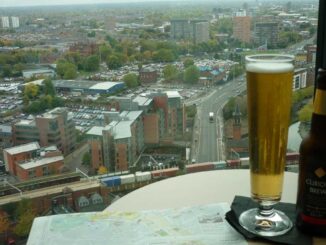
(269, 89)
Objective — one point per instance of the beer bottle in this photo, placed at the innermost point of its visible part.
(311, 198)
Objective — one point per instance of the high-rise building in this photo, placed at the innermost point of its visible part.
(14, 22)
(52, 128)
(196, 31)
(117, 145)
(241, 28)
(201, 33)
(5, 22)
(266, 32)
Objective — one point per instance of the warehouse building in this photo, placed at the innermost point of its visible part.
(87, 87)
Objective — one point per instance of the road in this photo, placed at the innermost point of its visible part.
(208, 136)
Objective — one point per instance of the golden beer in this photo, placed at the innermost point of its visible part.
(269, 88)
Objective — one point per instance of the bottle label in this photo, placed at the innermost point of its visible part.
(314, 199)
(320, 102)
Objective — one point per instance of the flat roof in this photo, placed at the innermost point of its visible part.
(96, 130)
(173, 94)
(122, 130)
(75, 84)
(142, 101)
(5, 129)
(105, 85)
(26, 122)
(133, 115)
(41, 70)
(23, 148)
(33, 163)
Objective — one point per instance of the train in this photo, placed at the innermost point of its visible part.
(154, 175)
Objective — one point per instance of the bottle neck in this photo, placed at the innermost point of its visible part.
(318, 121)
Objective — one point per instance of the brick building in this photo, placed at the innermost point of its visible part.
(241, 28)
(84, 48)
(51, 128)
(148, 75)
(237, 145)
(157, 118)
(30, 160)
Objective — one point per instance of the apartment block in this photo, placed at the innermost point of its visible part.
(241, 28)
(14, 22)
(30, 160)
(158, 118)
(51, 128)
(196, 31)
(5, 22)
(266, 32)
(117, 145)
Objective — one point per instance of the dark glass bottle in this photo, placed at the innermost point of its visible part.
(311, 198)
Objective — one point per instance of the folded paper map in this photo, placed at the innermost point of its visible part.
(200, 225)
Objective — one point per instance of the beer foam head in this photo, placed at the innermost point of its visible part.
(269, 67)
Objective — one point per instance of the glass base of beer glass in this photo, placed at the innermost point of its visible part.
(270, 223)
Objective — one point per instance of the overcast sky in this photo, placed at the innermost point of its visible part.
(10, 3)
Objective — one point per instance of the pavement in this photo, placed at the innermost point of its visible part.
(74, 159)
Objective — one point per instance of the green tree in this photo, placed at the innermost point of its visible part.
(111, 40)
(164, 55)
(114, 62)
(170, 72)
(31, 90)
(92, 63)
(46, 102)
(188, 62)
(7, 71)
(104, 51)
(34, 107)
(306, 112)
(70, 72)
(131, 80)
(48, 87)
(57, 102)
(24, 224)
(66, 69)
(91, 34)
(191, 74)
(86, 159)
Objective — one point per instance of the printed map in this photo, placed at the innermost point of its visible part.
(202, 225)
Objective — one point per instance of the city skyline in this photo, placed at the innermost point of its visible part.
(21, 3)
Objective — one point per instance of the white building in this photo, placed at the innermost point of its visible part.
(300, 79)
(5, 22)
(14, 21)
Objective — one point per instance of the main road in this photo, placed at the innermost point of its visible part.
(208, 143)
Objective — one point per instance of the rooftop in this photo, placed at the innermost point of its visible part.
(105, 85)
(122, 130)
(23, 148)
(96, 130)
(173, 94)
(33, 163)
(5, 129)
(142, 101)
